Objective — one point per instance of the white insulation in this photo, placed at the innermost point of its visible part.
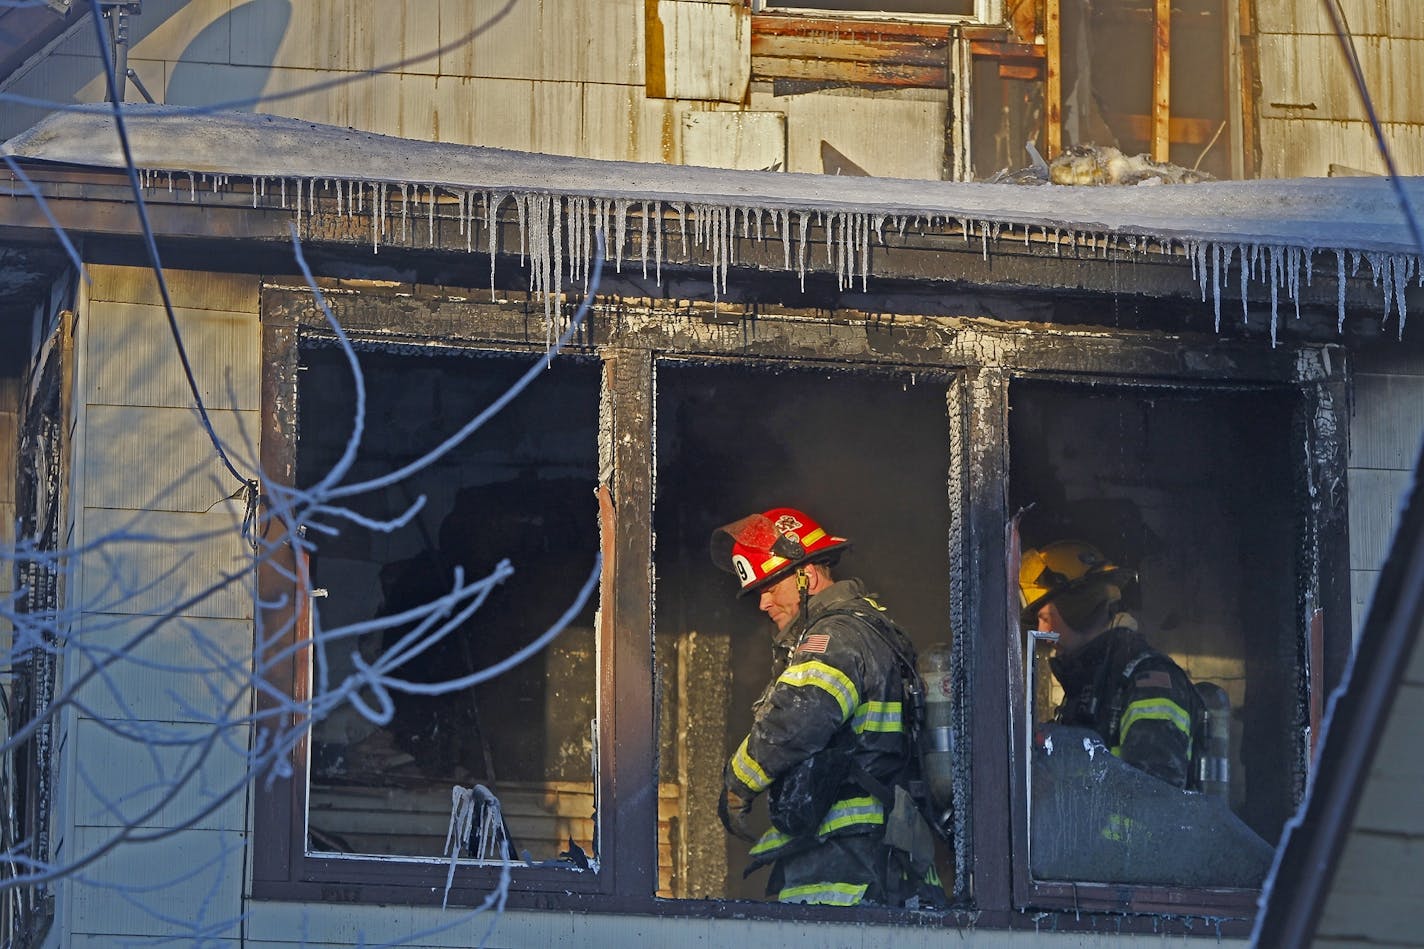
(1273, 233)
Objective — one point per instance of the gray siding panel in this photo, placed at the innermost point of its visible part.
(156, 562)
(197, 874)
(124, 442)
(1375, 498)
(181, 670)
(1388, 420)
(190, 775)
(1375, 894)
(1390, 803)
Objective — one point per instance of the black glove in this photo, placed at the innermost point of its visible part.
(736, 814)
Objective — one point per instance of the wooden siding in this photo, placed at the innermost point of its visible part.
(142, 463)
(1385, 438)
(615, 80)
(1311, 117)
(1374, 898)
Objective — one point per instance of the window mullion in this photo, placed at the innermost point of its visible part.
(627, 767)
(986, 622)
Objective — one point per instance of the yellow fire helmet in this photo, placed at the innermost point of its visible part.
(1059, 567)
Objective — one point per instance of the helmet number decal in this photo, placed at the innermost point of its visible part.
(743, 567)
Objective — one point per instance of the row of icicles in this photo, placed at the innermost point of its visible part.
(556, 236)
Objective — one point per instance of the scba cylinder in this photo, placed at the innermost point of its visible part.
(937, 753)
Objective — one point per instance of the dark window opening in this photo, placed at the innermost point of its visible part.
(520, 488)
(1192, 491)
(866, 455)
(1108, 63)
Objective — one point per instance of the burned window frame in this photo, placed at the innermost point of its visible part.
(630, 337)
(1321, 550)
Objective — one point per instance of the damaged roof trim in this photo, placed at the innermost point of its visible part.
(1270, 231)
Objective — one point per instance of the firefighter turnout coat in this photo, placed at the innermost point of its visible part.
(840, 692)
(1140, 701)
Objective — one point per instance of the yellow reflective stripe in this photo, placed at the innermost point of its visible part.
(878, 717)
(812, 537)
(772, 564)
(833, 894)
(850, 812)
(832, 680)
(1158, 709)
(745, 767)
(773, 839)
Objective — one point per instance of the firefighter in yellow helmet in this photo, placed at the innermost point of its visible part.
(829, 740)
(1140, 701)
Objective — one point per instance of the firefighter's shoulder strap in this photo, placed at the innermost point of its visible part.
(911, 779)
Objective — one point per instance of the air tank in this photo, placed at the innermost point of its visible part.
(937, 738)
(1214, 759)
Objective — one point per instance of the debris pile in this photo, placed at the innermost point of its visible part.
(1099, 165)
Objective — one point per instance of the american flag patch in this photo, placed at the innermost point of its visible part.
(816, 642)
(1154, 680)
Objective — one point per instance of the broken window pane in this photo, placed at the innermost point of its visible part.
(520, 488)
(866, 455)
(1189, 494)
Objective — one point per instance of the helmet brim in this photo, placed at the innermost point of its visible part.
(1107, 575)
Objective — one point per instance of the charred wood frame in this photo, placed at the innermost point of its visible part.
(938, 305)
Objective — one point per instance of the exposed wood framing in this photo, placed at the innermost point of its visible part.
(1247, 74)
(850, 52)
(889, 54)
(1162, 81)
(1053, 87)
(1179, 129)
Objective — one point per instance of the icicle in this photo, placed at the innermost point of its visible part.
(682, 228)
(492, 237)
(804, 222)
(758, 226)
(643, 240)
(783, 224)
(842, 247)
(1340, 280)
(1274, 262)
(429, 214)
(405, 213)
(521, 205)
(1293, 275)
(1403, 270)
(1245, 277)
(1216, 286)
(620, 226)
(984, 240)
(658, 242)
(1198, 253)
(865, 251)
(729, 249)
(299, 204)
(556, 208)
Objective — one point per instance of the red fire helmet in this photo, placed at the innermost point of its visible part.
(762, 548)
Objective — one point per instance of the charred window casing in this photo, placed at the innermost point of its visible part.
(519, 489)
(1188, 490)
(868, 455)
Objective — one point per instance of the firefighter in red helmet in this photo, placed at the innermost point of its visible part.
(1141, 702)
(829, 740)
